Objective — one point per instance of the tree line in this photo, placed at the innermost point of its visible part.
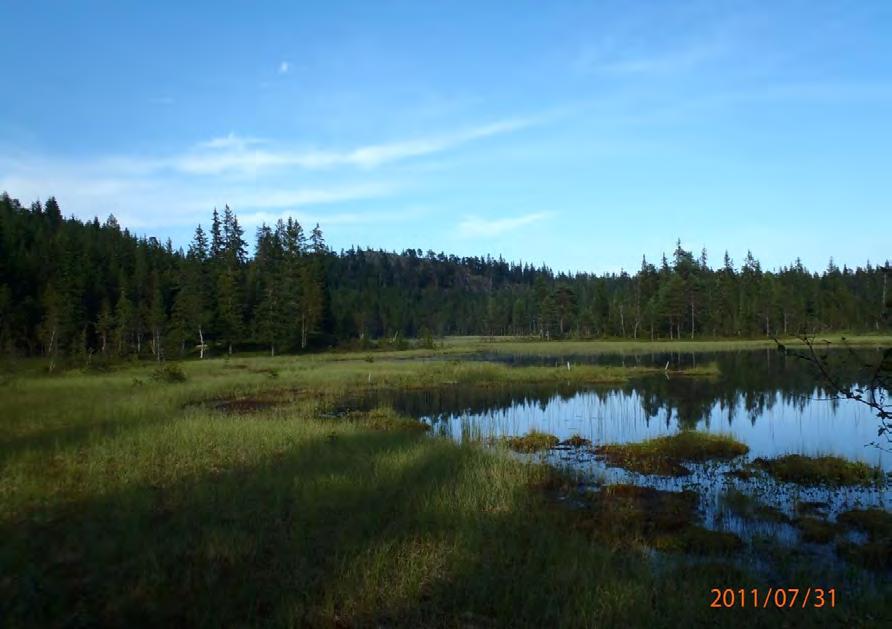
(86, 288)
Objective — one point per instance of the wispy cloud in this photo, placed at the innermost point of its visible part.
(634, 56)
(230, 141)
(253, 219)
(284, 67)
(476, 227)
(670, 62)
(233, 155)
(140, 200)
(301, 197)
(250, 173)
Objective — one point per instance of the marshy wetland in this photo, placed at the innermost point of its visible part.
(476, 488)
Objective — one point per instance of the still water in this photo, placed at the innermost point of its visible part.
(775, 404)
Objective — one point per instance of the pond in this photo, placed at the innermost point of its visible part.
(774, 404)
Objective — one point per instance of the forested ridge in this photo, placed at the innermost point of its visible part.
(74, 288)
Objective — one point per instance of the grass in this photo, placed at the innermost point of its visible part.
(820, 470)
(748, 507)
(533, 441)
(483, 373)
(696, 540)
(131, 501)
(876, 554)
(534, 346)
(622, 515)
(665, 456)
(816, 530)
(576, 441)
(877, 523)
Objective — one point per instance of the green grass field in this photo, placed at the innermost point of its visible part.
(533, 346)
(125, 501)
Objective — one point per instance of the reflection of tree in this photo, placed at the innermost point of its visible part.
(871, 386)
(753, 382)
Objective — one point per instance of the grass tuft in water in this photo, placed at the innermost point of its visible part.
(533, 441)
(697, 540)
(820, 470)
(750, 508)
(877, 523)
(663, 520)
(816, 530)
(664, 456)
(876, 554)
(577, 441)
(385, 418)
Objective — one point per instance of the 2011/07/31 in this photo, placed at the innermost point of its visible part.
(774, 597)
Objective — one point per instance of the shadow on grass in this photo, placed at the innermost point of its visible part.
(243, 545)
(368, 529)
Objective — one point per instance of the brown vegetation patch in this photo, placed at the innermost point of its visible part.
(245, 405)
(385, 418)
(576, 441)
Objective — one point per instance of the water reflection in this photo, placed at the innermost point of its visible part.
(773, 403)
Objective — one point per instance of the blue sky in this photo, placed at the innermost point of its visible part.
(578, 134)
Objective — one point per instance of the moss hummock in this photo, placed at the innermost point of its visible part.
(664, 456)
(819, 470)
(577, 441)
(533, 441)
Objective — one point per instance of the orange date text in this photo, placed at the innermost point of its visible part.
(782, 598)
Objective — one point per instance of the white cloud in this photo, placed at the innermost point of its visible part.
(284, 67)
(635, 57)
(253, 219)
(237, 155)
(370, 156)
(250, 173)
(300, 197)
(230, 141)
(475, 227)
(144, 200)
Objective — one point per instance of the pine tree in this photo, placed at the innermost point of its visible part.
(269, 311)
(105, 325)
(51, 324)
(124, 320)
(217, 242)
(157, 316)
